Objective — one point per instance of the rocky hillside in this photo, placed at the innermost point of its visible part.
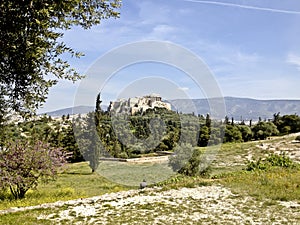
(240, 108)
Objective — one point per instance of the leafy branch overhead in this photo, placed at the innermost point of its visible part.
(31, 46)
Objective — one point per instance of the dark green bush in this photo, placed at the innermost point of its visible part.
(189, 161)
(256, 165)
(281, 160)
(272, 160)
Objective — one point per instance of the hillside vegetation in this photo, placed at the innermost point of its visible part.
(156, 131)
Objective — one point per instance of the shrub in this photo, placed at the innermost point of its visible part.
(191, 168)
(181, 157)
(189, 161)
(23, 164)
(272, 160)
(68, 191)
(281, 160)
(123, 155)
(256, 165)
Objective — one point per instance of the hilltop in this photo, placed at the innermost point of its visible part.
(138, 104)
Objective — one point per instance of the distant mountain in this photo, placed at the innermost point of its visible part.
(240, 108)
(71, 111)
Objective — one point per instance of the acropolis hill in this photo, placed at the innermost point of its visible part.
(138, 104)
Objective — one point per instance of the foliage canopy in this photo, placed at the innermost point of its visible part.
(32, 50)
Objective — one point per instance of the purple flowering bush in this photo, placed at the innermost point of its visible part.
(23, 164)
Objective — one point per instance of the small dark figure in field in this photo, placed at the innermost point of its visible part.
(143, 184)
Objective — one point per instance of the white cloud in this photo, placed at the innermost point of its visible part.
(294, 60)
(224, 58)
(162, 32)
(162, 28)
(185, 11)
(251, 7)
(246, 57)
(263, 88)
(183, 88)
(153, 13)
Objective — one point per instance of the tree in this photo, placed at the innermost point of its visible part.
(181, 157)
(226, 120)
(291, 121)
(216, 135)
(232, 134)
(246, 132)
(203, 136)
(116, 149)
(69, 144)
(189, 161)
(192, 168)
(262, 130)
(23, 165)
(98, 103)
(88, 141)
(276, 119)
(208, 121)
(32, 50)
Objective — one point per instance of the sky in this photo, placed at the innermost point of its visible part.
(251, 48)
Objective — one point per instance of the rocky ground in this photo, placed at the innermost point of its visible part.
(202, 205)
(289, 147)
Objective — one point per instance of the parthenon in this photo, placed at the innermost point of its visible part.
(138, 104)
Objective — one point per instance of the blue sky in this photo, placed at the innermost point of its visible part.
(252, 48)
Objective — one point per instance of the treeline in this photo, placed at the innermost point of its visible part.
(156, 130)
(58, 133)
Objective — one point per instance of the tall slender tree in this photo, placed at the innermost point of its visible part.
(98, 103)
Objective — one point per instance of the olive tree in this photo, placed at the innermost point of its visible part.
(23, 165)
(32, 49)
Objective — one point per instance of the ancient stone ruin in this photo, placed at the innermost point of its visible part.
(138, 104)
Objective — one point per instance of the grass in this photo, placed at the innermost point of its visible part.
(25, 218)
(76, 181)
(275, 184)
(180, 181)
(133, 174)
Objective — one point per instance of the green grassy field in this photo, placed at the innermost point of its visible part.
(131, 174)
(76, 181)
